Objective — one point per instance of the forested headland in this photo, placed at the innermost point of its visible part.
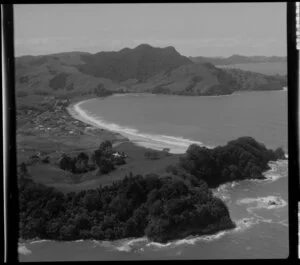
(163, 208)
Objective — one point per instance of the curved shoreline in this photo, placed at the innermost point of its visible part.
(176, 145)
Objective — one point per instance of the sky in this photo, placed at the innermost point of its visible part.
(193, 29)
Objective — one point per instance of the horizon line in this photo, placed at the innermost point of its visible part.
(146, 44)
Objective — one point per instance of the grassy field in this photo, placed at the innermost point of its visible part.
(32, 141)
(51, 175)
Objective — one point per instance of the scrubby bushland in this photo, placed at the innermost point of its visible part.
(160, 208)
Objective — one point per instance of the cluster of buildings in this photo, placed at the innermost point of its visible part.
(54, 121)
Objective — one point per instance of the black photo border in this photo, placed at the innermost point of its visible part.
(10, 187)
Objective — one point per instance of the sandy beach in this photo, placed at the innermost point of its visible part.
(175, 145)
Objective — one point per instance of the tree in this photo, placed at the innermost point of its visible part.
(130, 228)
(105, 165)
(53, 228)
(82, 222)
(119, 160)
(68, 232)
(83, 156)
(65, 162)
(156, 208)
(97, 233)
(103, 157)
(105, 146)
(81, 166)
(279, 153)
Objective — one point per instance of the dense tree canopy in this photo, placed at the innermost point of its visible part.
(104, 158)
(161, 208)
(242, 158)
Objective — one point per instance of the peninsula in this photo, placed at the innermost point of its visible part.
(80, 181)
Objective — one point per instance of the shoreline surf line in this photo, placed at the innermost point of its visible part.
(176, 145)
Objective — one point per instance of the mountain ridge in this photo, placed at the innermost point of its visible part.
(141, 69)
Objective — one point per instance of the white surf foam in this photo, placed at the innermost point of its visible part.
(139, 244)
(284, 223)
(124, 248)
(279, 169)
(123, 245)
(175, 144)
(241, 225)
(23, 250)
(134, 95)
(127, 245)
(40, 241)
(224, 190)
(268, 202)
(79, 240)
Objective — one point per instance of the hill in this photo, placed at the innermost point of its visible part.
(139, 63)
(271, 66)
(141, 69)
(268, 68)
(250, 81)
(192, 79)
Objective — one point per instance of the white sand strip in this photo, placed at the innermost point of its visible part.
(152, 141)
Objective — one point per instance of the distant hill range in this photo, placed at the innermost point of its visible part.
(238, 59)
(142, 69)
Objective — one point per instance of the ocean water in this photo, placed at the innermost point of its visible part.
(175, 122)
(259, 207)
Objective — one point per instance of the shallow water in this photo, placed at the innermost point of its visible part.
(259, 207)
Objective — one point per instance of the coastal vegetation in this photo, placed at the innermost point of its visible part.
(243, 158)
(163, 208)
(168, 196)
